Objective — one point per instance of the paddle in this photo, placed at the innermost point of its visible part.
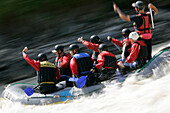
(117, 47)
(109, 38)
(73, 79)
(29, 91)
(151, 18)
(81, 81)
(123, 51)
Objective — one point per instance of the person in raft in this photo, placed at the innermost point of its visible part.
(48, 74)
(137, 57)
(141, 21)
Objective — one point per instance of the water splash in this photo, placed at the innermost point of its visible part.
(146, 96)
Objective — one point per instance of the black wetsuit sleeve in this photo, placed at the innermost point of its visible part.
(137, 19)
(134, 18)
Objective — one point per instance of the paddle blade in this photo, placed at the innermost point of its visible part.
(29, 91)
(81, 81)
(73, 79)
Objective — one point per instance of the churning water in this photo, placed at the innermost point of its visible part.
(146, 96)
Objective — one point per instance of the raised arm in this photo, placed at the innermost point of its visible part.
(121, 14)
(35, 64)
(150, 5)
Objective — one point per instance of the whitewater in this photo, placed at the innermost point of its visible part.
(150, 95)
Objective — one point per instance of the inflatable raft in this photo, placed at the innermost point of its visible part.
(160, 60)
(15, 92)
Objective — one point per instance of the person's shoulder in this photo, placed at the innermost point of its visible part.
(109, 53)
(142, 43)
(81, 55)
(136, 43)
(72, 59)
(125, 39)
(105, 53)
(67, 55)
(135, 17)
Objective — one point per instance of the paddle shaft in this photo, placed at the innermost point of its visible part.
(117, 47)
(123, 51)
(152, 18)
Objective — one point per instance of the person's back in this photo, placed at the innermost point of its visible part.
(93, 45)
(125, 34)
(47, 77)
(143, 54)
(109, 60)
(63, 63)
(142, 21)
(137, 57)
(48, 73)
(84, 64)
(80, 64)
(107, 63)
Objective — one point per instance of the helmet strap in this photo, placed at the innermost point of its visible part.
(59, 54)
(74, 51)
(138, 10)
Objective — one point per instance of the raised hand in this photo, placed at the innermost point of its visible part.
(25, 50)
(109, 38)
(115, 7)
(126, 42)
(80, 39)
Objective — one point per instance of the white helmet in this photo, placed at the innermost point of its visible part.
(134, 35)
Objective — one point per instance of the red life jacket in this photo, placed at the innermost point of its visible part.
(63, 70)
(146, 26)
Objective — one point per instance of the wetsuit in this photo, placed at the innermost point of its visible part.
(107, 65)
(63, 64)
(93, 47)
(142, 24)
(137, 58)
(120, 44)
(80, 65)
(47, 72)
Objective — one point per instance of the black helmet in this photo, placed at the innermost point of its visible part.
(126, 32)
(94, 39)
(57, 48)
(103, 47)
(74, 47)
(42, 57)
(139, 4)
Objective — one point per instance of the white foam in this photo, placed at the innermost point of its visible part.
(146, 96)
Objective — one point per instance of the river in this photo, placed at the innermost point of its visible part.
(146, 96)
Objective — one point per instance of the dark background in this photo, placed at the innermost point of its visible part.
(41, 24)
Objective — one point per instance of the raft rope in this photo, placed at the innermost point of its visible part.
(151, 60)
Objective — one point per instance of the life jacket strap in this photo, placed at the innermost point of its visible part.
(47, 83)
(143, 29)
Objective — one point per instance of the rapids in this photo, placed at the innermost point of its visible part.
(147, 96)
